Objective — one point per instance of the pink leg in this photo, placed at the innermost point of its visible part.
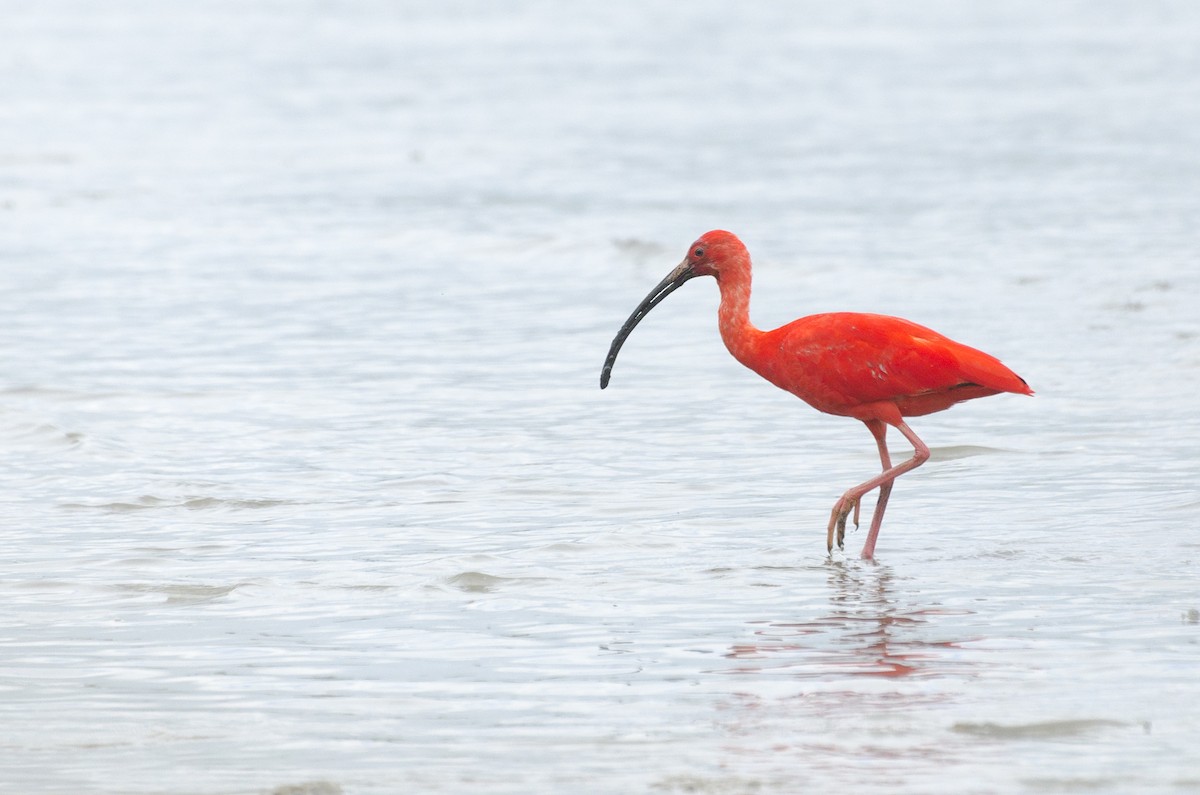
(878, 429)
(850, 500)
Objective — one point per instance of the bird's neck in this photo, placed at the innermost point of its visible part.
(737, 332)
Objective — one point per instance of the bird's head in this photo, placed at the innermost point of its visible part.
(712, 252)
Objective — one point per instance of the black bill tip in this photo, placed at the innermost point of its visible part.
(664, 288)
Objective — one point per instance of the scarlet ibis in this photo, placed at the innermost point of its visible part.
(873, 368)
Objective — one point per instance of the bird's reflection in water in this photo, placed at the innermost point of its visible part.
(849, 685)
(867, 630)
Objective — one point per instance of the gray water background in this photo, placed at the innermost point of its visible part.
(308, 487)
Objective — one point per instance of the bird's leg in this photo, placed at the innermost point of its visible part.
(840, 509)
(888, 477)
(879, 431)
(883, 481)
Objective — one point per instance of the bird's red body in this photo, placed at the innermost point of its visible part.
(847, 363)
(875, 368)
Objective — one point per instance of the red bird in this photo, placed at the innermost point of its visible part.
(873, 368)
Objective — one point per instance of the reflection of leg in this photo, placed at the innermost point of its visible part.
(885, 480)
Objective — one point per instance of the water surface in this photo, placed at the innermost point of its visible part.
(310, 489)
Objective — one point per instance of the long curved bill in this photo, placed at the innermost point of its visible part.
(674, 279)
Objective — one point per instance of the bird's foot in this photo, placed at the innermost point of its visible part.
(841, 528)
(837, 520)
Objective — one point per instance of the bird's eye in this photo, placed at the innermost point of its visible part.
(698, 253)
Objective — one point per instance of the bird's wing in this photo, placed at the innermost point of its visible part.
(840, 360)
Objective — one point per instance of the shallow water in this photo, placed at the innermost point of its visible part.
(310, 488)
